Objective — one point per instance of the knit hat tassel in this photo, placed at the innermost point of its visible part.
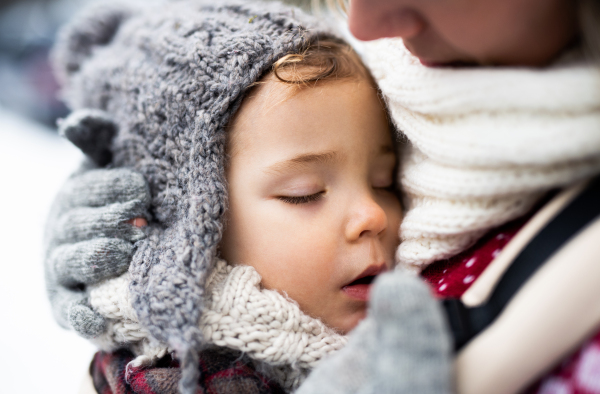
(190, 373)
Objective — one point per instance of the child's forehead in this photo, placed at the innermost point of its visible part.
(269, 94)
(315, 117)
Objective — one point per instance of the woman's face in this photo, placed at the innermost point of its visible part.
(311, 201)
(494, 32)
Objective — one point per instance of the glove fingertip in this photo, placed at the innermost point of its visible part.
(398, 291)
(86, 322)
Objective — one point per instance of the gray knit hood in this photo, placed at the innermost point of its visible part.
(153, 87)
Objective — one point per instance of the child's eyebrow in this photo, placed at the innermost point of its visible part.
(302, 160)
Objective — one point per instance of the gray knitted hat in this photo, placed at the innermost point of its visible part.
(154, 87)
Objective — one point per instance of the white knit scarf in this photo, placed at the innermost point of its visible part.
(239, 314)
(484, 143)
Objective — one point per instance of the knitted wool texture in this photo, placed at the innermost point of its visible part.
(484, 143)
(238, 314)
(171, 76)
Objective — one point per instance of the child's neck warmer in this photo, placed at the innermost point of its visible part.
(239, 314)
(485, 143)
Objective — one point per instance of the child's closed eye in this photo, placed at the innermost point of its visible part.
(390, 187)
(384, 183)
(302, 199)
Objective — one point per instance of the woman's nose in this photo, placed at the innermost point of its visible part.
(367, 219)
(373, 19)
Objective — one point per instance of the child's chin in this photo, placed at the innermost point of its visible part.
(349, 323)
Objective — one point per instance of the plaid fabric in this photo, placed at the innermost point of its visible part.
(222, 371)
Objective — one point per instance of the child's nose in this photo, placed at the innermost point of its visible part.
(368, 219)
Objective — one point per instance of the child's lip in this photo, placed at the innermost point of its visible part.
(360, 291)
(372, 270)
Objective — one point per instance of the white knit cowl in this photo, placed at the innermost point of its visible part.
(484, 144)
(239, 314)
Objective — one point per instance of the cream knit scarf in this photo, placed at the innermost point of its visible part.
(239, 315)
(484, 143)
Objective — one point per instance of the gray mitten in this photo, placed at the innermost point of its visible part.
(87, 237)
(403, 346)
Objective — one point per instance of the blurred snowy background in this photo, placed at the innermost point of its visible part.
(38, 356)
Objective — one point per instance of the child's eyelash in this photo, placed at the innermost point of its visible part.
(390, 188)
(302, 199)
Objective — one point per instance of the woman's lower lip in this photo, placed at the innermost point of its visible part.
(456, 63)
(358, 292)
(427, 63)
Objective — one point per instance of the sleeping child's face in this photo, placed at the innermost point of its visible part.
(311, 201)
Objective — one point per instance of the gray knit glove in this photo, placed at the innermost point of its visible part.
(87, 237)
(403, 346)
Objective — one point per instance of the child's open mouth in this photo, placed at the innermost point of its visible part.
(360, 288)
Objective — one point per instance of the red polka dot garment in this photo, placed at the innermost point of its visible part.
(577, 374)
(451, 278)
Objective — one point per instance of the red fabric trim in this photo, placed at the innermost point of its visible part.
(451, 278)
